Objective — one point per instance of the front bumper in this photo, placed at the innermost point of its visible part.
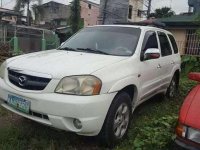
(187, 144)
(61, 110)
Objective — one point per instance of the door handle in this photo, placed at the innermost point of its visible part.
(159, 66)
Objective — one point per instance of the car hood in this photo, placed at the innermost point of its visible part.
(190, 111)
(59, 63)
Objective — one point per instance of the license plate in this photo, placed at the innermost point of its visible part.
(19, 103)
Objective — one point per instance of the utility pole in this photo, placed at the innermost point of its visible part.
(104, 11)
(28, 13)
(149, 8)
(1, 3)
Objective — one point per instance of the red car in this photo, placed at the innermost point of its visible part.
(188, 129)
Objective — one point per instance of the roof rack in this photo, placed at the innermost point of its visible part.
(152, 23)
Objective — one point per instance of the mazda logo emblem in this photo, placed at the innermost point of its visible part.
(22, 80)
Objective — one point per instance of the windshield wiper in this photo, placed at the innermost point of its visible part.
(93, 51)
(68, 48)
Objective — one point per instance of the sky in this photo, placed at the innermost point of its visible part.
(177, 5)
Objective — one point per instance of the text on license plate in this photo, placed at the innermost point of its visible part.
(19, 103)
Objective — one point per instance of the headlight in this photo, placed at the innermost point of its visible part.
(79, 85)
(2, 69)
(193, 135)
(188, 133)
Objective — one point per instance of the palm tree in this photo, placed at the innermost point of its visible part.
(20, 6)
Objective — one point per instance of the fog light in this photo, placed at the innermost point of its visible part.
(77, 123)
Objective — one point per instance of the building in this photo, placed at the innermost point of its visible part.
(9, 16)
(194, 6)
(53, 13)
(89, 12)
(184, 27)
(135, 10)
(112, 11)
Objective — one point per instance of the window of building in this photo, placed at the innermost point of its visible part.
(89, 6)
(130, 12)
(164, 44)
(139, 13)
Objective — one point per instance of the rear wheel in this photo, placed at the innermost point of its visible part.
(173, 87)
(117, 122)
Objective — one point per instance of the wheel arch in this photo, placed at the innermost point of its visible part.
(129, 85)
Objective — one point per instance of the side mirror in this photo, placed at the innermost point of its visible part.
(152, 53)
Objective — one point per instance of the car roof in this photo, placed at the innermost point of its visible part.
(136, 26)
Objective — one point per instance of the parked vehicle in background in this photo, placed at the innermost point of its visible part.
(188, 129)
(93, 82)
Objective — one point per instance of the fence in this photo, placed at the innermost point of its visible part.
(16, 40)
(191, 44)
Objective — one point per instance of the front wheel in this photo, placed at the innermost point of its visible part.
(117, 122)
(173, 88)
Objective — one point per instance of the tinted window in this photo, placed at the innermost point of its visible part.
(174, 45)
(150, 41)
(119, 41)
(164, 44)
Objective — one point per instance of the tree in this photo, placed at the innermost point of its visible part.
(75, 18)
(162, 13)
(20, 6)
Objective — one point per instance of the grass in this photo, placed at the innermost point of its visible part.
(3, 112)
(152, 128)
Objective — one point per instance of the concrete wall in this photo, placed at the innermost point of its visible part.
(51, 11)
(137, 5)
(117, 10)
(90, 15)
(112, 11)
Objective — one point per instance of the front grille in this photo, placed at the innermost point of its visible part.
(38, 115)
(29, 82)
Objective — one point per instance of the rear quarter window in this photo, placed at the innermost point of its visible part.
(164, 44)
(174, 45)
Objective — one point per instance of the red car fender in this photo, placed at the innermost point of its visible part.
(187, 104)
(194, 76)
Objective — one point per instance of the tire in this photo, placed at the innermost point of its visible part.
(117, 121)
(172, 90)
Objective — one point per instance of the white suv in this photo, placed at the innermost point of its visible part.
(93, 82)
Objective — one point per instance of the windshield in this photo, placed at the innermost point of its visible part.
(119, 41)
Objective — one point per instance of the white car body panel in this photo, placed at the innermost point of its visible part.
(115, 72)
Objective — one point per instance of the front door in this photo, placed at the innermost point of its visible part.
(150, 69)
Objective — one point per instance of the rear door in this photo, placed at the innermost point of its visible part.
(166, 61)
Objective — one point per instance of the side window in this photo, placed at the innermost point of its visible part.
(150, 41)
(174, 45)
(164, 44)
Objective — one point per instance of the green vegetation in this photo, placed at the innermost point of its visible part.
(162, 13)
(190, 64)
